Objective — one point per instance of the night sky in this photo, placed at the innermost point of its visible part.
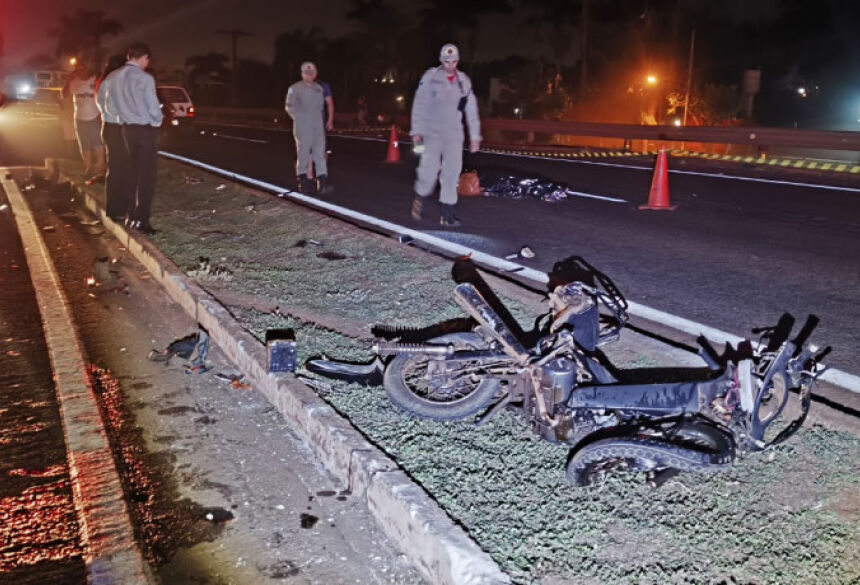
(174, 29)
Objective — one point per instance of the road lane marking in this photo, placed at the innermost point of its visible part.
(242, 138)
(837, 377)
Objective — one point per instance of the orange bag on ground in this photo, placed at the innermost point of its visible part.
(469, 184)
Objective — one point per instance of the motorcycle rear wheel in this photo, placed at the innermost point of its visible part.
(443, 395)
(693, 446)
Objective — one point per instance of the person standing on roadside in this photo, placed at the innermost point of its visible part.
(132, 99)
(116, 178)
(443, 96)
(304, 102)
(328, 118)
(81, 86)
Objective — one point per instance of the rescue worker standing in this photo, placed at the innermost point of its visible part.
(443, 96)
(304, 102)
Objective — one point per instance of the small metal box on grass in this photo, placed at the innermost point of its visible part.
(281, 349)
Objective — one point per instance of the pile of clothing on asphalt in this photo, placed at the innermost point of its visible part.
(511, 185)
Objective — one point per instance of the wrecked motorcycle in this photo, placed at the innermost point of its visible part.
(658, 421)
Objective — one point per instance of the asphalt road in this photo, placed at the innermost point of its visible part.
(745, 245)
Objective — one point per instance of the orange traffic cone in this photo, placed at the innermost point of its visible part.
(658, 198)
(393, 147)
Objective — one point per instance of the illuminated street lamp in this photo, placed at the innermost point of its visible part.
(651, 80)
(801, 91)
(73, 61)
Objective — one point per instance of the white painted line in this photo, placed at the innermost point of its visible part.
(833, 376)
(242, 138)
(593, 196)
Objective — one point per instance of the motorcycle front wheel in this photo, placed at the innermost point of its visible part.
(440, 389)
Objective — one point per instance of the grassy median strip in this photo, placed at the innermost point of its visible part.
(791, 515)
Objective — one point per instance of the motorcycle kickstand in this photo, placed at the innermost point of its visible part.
(493, 411)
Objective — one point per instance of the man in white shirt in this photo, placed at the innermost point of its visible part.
(132, 99)
(81, 87)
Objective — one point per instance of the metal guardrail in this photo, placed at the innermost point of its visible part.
(747, 136)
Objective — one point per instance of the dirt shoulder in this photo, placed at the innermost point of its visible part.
(786, 516)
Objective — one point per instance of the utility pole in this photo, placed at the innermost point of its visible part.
(234, 77)
(689, 77)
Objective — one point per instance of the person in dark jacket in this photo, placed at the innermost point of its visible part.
(117, 199)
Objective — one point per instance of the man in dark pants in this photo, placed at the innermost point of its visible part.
(131, 97)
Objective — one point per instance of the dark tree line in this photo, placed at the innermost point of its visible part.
(572, 59)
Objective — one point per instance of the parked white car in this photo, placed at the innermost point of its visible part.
(175, 97)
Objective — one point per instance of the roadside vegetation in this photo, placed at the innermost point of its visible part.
(787, 516)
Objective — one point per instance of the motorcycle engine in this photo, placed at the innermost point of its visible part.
(556, 383)
(557, 379)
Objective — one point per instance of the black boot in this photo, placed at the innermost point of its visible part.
(418, 207)
(323, 188)
(305, 185)
(448, 218)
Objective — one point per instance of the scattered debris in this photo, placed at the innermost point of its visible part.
(308, 520)
(189, 180)
(196, 345)
(217, 515)
(238, 384)
(332, 256)
(48, 228)
(221, 187)
(4, 207)
(525, 252)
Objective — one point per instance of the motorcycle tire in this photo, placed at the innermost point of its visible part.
(404, 374)
(693, 448)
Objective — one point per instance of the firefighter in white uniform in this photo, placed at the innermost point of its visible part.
(443, 96)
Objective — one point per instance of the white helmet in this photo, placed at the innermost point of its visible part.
(449, 52)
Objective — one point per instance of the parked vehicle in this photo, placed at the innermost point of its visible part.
(177, 100)
(658, 421)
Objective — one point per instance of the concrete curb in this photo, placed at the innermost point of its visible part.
(110, 550)
(435, 544)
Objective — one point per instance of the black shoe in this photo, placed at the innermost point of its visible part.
(305, 185)
(448, 219)
(144, 228)
(418, 207)
(323, 188)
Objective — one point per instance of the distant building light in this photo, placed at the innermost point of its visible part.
(801, 91)
(399, 98)
(651, 80)
(516, 111)
(677, 121)
(73, 61)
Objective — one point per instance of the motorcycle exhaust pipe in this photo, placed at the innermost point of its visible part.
(386, 348)
(468, 297)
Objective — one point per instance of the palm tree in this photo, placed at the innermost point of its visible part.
(81, 34)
